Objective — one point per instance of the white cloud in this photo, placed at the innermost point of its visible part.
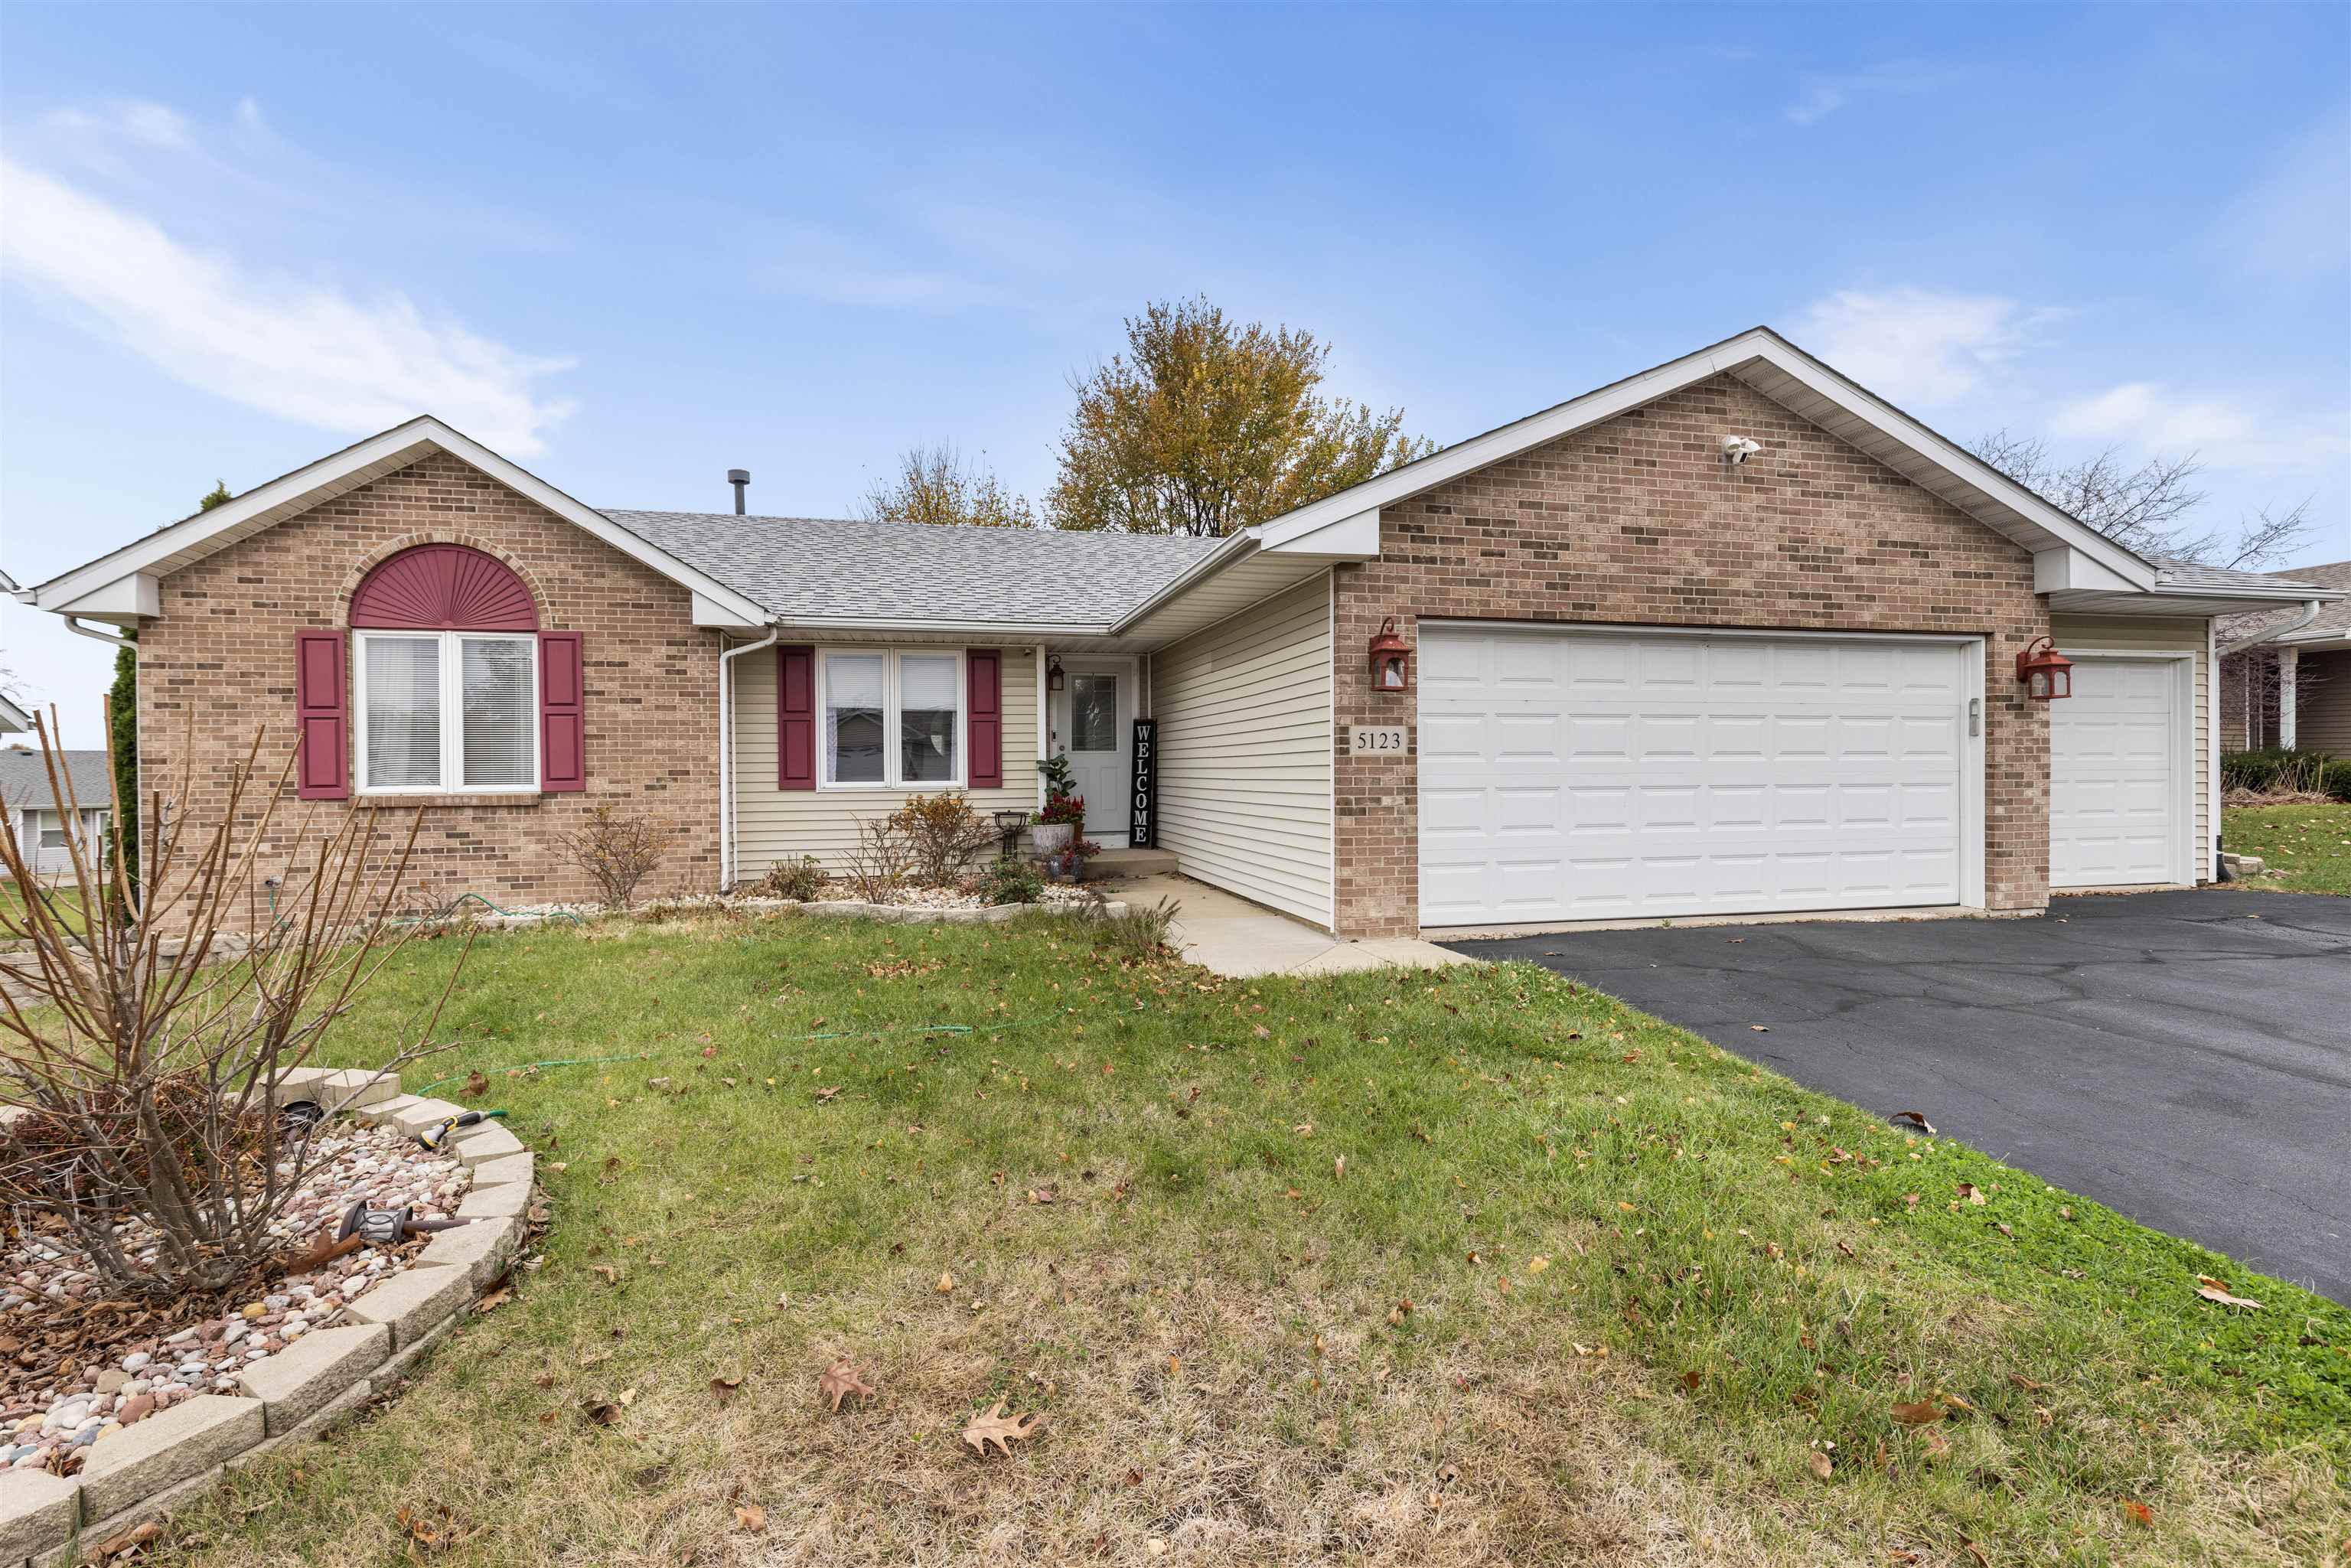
(1823, 96)
(303, 351)
(1915, 345)
(2224, 432)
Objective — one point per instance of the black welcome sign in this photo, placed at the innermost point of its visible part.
(1142, 796)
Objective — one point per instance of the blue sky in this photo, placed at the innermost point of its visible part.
(634, 247)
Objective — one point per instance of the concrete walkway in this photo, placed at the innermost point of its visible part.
(1233, 936)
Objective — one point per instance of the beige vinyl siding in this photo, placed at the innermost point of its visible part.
(1244, 711)
(775, 825)
(2171, 634)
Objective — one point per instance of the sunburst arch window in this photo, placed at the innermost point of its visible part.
(444, 663)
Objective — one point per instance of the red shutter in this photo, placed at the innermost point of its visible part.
(322, 721)
(984, 672)
(795, 717)
(562, 714)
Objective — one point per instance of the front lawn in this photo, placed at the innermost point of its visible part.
(65, 901)
(1474, 1266)
(2306, 849)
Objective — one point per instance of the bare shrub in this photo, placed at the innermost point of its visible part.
(802, 879)
(879, 864)
(143, 1059)
(618, 848)
(942, 832)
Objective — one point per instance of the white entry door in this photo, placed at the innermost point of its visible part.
(1093, 726)
(2117, 798)
(1577, 775)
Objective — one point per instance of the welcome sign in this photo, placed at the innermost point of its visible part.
(1142, 797)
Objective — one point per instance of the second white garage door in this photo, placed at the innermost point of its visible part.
(1578, 776)
(2117, 774)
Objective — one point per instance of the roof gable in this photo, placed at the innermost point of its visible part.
(120, 586)
(1806, 387)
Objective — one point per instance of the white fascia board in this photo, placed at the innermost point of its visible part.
(1758, 343)
(1027, 631)
(1355, 537)
(404, 443)
(2065, 568)
(123, 600)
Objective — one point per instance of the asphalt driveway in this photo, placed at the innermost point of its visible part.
(2182, 1056)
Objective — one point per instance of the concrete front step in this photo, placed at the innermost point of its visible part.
(1130, 863)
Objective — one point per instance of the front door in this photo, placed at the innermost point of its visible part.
(1092, 715)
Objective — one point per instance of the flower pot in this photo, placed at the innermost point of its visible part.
(1052, 838)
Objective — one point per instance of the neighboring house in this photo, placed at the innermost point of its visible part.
(2286, 676)
(37, 814)
(1648, 680)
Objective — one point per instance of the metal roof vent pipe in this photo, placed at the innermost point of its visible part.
(738, 477)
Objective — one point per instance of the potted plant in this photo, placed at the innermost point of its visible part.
(1053, 828)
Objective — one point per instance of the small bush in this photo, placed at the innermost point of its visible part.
(1011, 880)
(941, 832)
(1139, 935)
(618, 848)
(802, 879)
(2276, 772)
(879, 866)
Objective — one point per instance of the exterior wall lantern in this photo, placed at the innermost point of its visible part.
(1391, 660)
(1053, 673)
(2047, 673)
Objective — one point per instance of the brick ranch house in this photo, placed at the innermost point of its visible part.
(1731, 636)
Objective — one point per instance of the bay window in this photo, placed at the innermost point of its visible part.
(891, 720)
(453, 712)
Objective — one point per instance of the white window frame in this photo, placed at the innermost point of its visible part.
(891, 778)
(452, 713)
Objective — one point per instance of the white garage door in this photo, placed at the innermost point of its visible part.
(2116, 798)
(1572, 776)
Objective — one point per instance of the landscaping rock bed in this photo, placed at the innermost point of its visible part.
(122, 1431)
(945, 905)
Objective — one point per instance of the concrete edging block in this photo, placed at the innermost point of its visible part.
(195, 1436)
(483, 1250)
(413, 1302)
(38, 1512)
(507, 1202)
(506, 1169)
(298, 1382)
(483, 1141)
(414, 1118)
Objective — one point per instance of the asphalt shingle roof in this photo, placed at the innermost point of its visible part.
(25, 780)
(832, 567)
(2332, 617)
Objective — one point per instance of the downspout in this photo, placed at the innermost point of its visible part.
(110, 639)
(727, 658)
(2268, 634)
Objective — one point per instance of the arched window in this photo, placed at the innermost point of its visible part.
(446, 670)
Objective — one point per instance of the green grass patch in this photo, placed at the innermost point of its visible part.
(2304, 848)
(1471, 1266)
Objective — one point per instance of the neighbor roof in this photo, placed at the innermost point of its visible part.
(25, 779)
(2333, 620)
(836, 570)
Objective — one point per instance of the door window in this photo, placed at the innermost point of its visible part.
(1093, 713)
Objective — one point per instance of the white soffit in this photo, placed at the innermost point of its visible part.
(1797, 381)
(191, 539)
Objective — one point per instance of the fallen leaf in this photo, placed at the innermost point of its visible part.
(1917, 1116)
(1917, 1415)
(2213, 1290)
(750, 1516)
(945, 1286)
(999, 1429)
(130, 1540)
(1690, 1380)
(840, 1380)
(1760, 1027)
(602, 1412)
(2140, 1513)
(494, 1300)
(2027, 1383)
(1968, 1190)
(723, 1387)
(1822, 1466)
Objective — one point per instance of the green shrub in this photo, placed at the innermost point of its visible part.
(2275, 771)
(1010, 880)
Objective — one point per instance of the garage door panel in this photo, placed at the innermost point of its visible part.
(1691, 775)
(2115, 774)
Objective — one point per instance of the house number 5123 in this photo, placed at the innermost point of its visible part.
(1376, 740)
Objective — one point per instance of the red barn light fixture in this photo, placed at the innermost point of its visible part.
(1391, 660)
(2047, 673)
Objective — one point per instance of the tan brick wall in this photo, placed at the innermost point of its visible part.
(222, 657)
(1637, 521)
